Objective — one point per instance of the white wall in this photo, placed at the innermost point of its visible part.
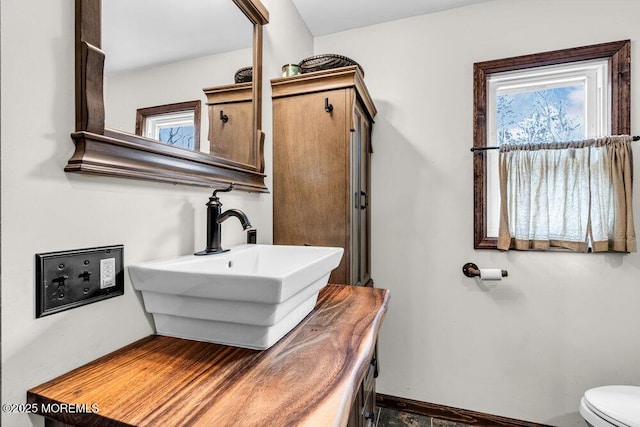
(45, 209)
(561, 323)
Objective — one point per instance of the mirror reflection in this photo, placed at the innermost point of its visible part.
(161, 55)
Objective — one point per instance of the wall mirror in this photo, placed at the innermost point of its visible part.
(486, 135)
(108, 93)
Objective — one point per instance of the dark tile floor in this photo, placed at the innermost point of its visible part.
(393, 418)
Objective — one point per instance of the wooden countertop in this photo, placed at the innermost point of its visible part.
(308, 378)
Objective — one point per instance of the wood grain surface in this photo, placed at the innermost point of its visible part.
(308, 378)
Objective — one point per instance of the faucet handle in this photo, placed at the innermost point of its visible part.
(223, 190)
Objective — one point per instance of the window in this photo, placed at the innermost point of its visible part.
(173, 124)
(557, 103)
(555, 96)
(175, 129)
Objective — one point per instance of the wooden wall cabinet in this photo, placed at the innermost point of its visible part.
(321, 166)
(231, 125)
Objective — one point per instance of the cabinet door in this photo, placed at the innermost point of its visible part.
(365, 206)
(369, 413)
(356, 198)
(232, 140)
(360, 218)
(311, 174)
(363, 410)
(355, 416)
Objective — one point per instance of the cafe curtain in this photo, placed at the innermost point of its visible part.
(570, 195)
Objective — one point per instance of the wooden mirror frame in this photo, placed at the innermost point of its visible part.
(108, 152)
(619, 55)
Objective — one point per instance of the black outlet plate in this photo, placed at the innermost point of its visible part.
(69, 279)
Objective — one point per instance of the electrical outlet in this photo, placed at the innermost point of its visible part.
(69, 279)
(107, 273)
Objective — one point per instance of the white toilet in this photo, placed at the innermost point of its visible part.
(613, 405)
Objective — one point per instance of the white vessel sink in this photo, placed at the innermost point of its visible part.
(248, 297)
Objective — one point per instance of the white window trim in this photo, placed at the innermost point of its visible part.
(154, 124)
(595, 75)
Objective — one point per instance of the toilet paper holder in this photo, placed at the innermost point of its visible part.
(471, 270)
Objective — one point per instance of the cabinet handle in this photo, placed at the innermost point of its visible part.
(223, 117)
(327, 107)
(366, 200)
(374, 362)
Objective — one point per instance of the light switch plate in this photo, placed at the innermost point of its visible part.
(69, 279)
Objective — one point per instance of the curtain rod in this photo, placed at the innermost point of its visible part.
(635, 138)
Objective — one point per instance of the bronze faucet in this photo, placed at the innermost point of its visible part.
(215, 218)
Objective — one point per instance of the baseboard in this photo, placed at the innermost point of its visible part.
(449, 413)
